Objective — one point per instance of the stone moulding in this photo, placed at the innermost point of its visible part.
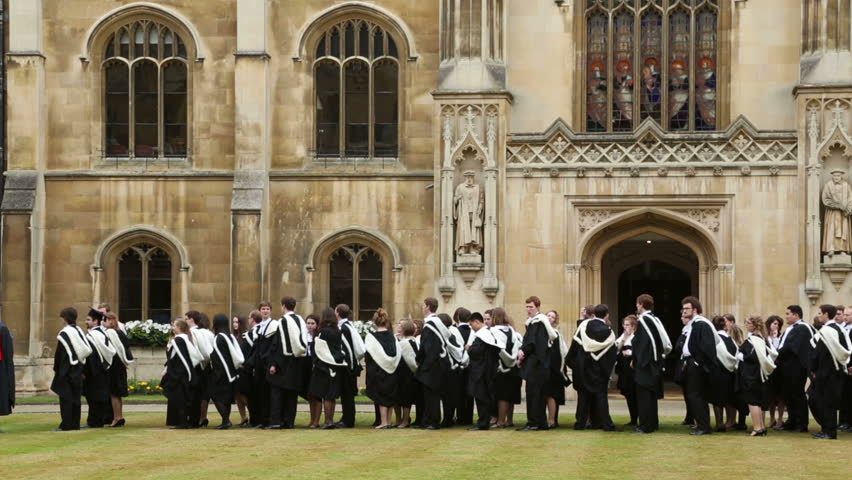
(648, 149)
(355, 232)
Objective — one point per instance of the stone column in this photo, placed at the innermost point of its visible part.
(472, 42)
(826, 34)
(22, 207)
(252, 140)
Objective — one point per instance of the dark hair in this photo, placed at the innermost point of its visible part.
(462, 315)
(431, 303)
(797, 310)
(498, 316)
(328, 319)
(382, 319)
(105, 306)
(590, 312)
(418, 325)
(601, 310)
(289, 302)
(343, 310)
(203, 321)
(646, 301)
(221, 324)
(256, 317)
(534, 300)
(774, 318)
(69, 314)
(96, 315)
(194, 315)
(264, 303)
(730, 317)
(696, 305)
(242, 328)
(316, 320)
(831, 310)
(487, 312)
(445, 319)
(477, 317)
(719, 322)
(407, 328)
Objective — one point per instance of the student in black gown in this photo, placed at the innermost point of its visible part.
(794, 355)
(624, 368)
(314, 402)
(239, 328)
(452, 389)
(225, 363)
(558, 380)
(650, 346)
(383, 359)
(508, 382)
(329, 364)
(409, 387)
(182, 378)
(699, 355)
(7, 371)
(845, 415)
(753, 372)
(96, 384)
(286, 365)
(258, 362)
(534, 360)
(118, 370)
(828, 373)
(72, 350)
(464, 409)
(679, 375)
(417, 421)
(592, 357)
(433, 364)
(775, 384)
(722, 379)
(250, 369)
(353, 347)
(484, 351)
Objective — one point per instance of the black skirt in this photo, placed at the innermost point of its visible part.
(507, 387)
(382, 387)
(721, 392)
(323, 384)
(555, 388)
(118, 379)
(756, 394)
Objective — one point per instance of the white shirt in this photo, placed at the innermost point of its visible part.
(688, 329)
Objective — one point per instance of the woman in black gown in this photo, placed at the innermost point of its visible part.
(624, 368)
(383, 359)
(239, 327)
(756, 366)
(775, 384)
(225, 363)
(118, 369)
(722, 381)
(329, 362)
(181, 377)
(558, 380)
(315, 403)
(409, 387)
(507, 384)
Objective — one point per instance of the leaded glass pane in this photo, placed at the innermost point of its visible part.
(705, 74)
(328, 108)
(357, 83)
(369, 284)
(385, 84)
(160, 287)
(145, 108)
(130, 286)
(622, 94)
(652, 51)
(596, 92)
(341, 279)
(679, 46)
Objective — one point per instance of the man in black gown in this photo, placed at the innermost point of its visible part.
(699, 356)
(354, 350)
(285, 367)
(484, 351)
(650, 346)
(433, 364)
(96, 371)
(72, 350)
(464, 410)
(794, 354)
(592, 357)
(7, 372)
(846, 398)
(828, 373)
(534, 359)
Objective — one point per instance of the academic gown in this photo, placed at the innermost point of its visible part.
(535, 368)
(96, 381)
(307, 370)
(67, 378)
(221, 386)
(243, 384)
(178, 386)
(751, 388)
(722, 381)
(507, 384)
(289, 369)
(626, 381)
(326, 379)
(558, 378)
(118, 370)
(679, 365)
(826, 390)
(7, 371)
(590, 374)
(409, 387)
(482, 371)
(383, 387)
(648, 367)
(431, 368)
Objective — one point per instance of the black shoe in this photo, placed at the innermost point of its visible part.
(328, 426)
(700, 432)
(477, 428)
(180, 427)
(721, 429)
(639, 430)
(740, 427)
(119, 423)
(824, 436)
(246, 424)
(759, 433)
(530, 428)
(608, 429)
(342, 425)
(259, 426)
(630, 424)
(430, 427)
(204, 423)
(225, 426)
(577, 426)
(274, 427)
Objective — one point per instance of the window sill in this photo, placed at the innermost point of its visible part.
(144, 163)
(354, 163)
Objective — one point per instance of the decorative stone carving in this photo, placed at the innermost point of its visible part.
(588, 218)
(651, 147)
(709, 217)
(837, 219)
(469, 213)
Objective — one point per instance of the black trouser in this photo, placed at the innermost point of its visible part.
(593, 405)
(431, 415)
(450, 395)
(69, 409)
(97, 412)
(696, 395)
(348, 390)
(178, 405)
(794, 396)
(846, 402)
(418, 405)
(224, 410)
(824, 399)
(536, 403)
(282, 406)
(647, 409)
(253, 406)
(464, 409)
(193, 413)
(688, 418)
(485, 409)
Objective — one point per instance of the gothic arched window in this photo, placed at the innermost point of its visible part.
(356, 74)
(355, 278)
(144, 284)
(145, 91)
(651, 59)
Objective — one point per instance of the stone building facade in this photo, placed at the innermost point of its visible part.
(180, 154)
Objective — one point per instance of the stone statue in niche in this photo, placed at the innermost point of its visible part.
(837, 222)
(468, 213)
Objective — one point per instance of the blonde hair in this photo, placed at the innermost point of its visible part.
(407, 327)
(382, 319)
(758, 324)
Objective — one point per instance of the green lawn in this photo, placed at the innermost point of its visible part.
(146, 449)
(133, 399)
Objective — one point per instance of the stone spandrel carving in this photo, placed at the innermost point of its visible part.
(709, 217)
(837, 219)
(588, 218)
(468, 213)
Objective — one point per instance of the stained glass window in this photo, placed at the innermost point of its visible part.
(651, 59)
(357, 93)
(146, 92)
